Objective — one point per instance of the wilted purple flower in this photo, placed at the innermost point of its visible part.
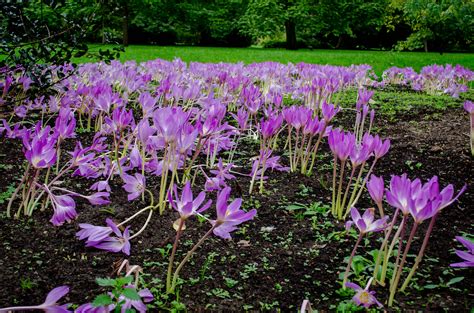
(92, 233)
(101, 186)
(229, 215)
(376, 188)
(81, 156)
(467, 256)
(366, 223)
(64, 209)
(50, 304)
(134, 185)
(21, 111)
(214, 183)
(186, 205)
(98, 198)
(364, 297)
(113, 244)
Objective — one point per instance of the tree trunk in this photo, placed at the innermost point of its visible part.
(103, 30)
(125, 24)
(425, 43)
(290, 28)
(339, 42)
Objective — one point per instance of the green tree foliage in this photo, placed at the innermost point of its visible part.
(443, 24)
(404, 24)
(190, 21)
(36, 34)
(316, 22)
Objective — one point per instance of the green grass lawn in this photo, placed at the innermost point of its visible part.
(380, 60)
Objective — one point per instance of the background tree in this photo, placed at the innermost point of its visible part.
(271, 18)
(445, 24)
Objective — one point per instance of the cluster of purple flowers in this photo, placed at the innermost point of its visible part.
(176, 121)
(451, 80)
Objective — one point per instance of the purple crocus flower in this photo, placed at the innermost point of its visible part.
(229, 215)
(271, 126)
(422, 201)
(329, 111)
(223, 171)
(467, 256)
(364, 97)
(364, 297)
(41, 151)
(399, 194)
(366, 223)
(380, 147)
(376, 189)
(242, 118)
(186, 205)
(341, 143)
(446, 197)
(65, 124)
(169, 122)
(121, 119)
(134, 185)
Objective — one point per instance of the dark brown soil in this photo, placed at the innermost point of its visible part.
(278, 259)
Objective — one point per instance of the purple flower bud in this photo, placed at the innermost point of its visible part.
(376, 188)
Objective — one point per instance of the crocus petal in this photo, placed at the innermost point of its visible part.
(221, 203)
(465, 255)
(55, 294)
(355, 215)
(353, 286)
(466, 243)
